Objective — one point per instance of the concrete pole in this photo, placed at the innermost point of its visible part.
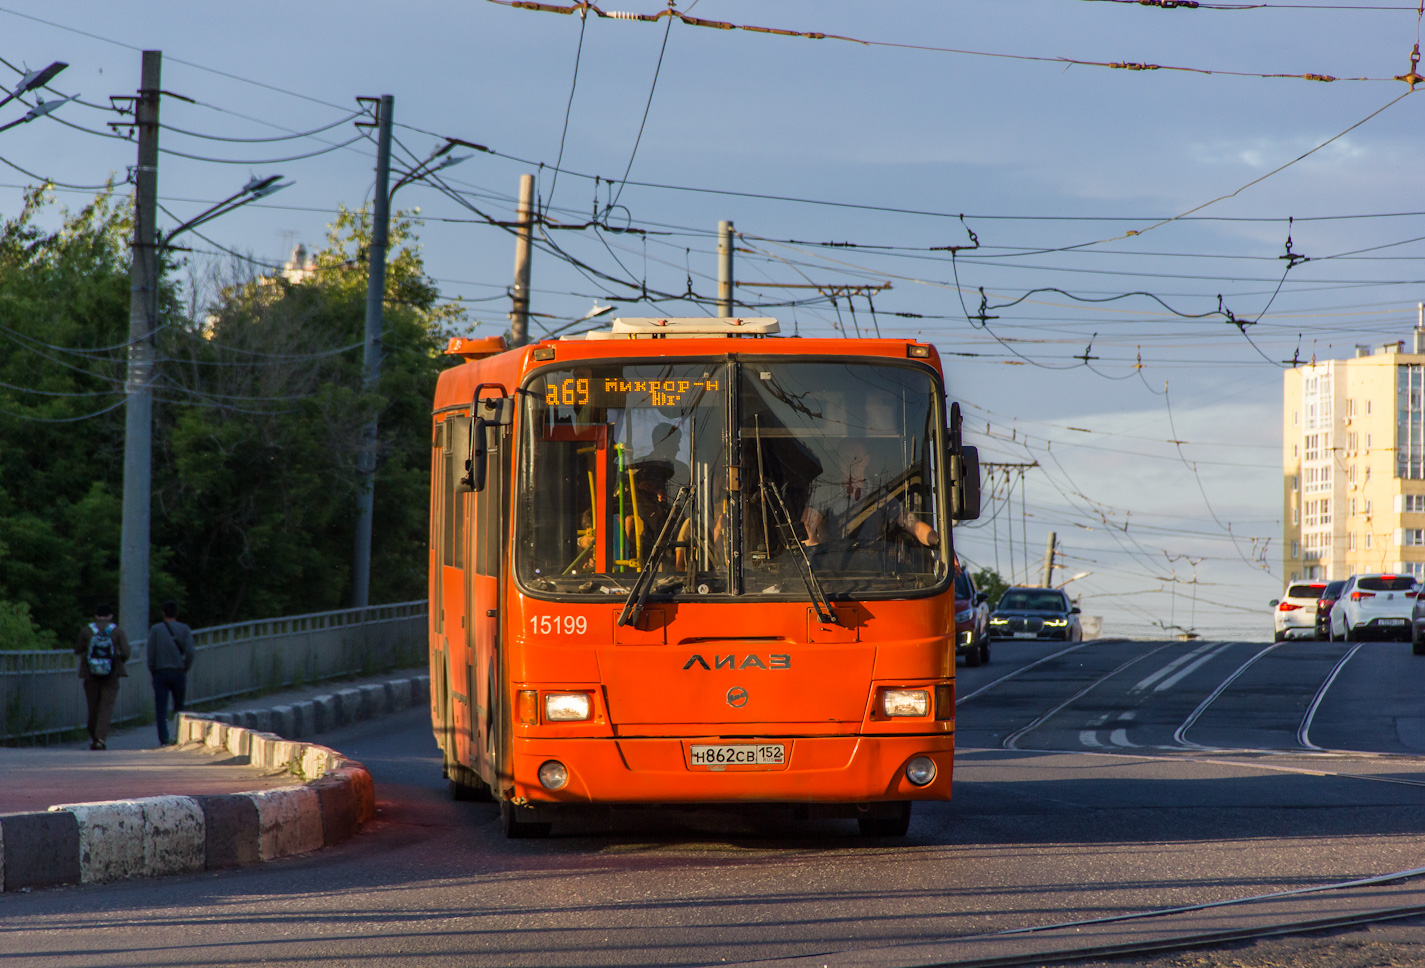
(724, 268)
(1049, 561)
(519, 311)
(371, 357)
(143, 320)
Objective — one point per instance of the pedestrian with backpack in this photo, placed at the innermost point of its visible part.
(103, 648)
(170, 656)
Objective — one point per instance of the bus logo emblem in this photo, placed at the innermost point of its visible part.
(737, 697)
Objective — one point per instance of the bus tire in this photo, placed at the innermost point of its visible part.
(465, 787)
(515, 827)
(896, 825)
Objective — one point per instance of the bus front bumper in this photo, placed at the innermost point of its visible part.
(814, 769)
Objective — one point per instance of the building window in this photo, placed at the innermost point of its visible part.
(1413, 537)
(1368, 410)
(1295, 482)
(1352, 440)
(1313, 447)
(1413, 503)
(1368, 541)
(1296, 549)
(1368, 441)
(1351, 407)
(1351, 541)
(1295, 516)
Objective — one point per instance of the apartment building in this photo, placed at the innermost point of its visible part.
(1353, 464)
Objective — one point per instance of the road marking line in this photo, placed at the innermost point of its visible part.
(1089, 737)
(1167, 669)
(1173, 681)
(1119, 737)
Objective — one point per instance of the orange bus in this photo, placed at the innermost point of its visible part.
(688, 561)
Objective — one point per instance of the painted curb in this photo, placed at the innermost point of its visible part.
(89, 843)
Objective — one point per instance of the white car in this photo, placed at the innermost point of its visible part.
(1294, 614)
(1375, 606)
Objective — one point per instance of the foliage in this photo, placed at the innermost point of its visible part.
(64, 299)
(257, 483)
(258, 416)
(18, 630)
(989, 581)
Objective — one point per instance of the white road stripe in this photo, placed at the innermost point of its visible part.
(1168, 669)
(1119, 737)
(1169, 683)
(1089, 737)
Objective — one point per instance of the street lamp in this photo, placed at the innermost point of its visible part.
(34, 79)
(255, 188)
(1082, 574)
(594, 313)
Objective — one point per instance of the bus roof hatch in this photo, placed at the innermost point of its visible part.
(687, 326)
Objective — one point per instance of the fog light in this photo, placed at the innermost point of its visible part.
(920, 770)
(553, 775)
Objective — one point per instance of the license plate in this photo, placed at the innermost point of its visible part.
(738, 754)
(1392, 621)
(1026, 635)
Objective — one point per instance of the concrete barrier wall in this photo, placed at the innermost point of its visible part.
(89, 843)
(40, 693)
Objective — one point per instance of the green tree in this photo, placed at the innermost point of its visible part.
(64, 297)
(989, 581)
(257, 499)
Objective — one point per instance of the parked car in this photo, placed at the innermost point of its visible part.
(972, 620)
(1329, 594)
(1036, 613)
(1375, 606)
(1294, 614)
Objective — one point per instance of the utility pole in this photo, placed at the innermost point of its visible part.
(724, 268)
(138, 388)
(519, 311)
(1049, 561)
(371, 357)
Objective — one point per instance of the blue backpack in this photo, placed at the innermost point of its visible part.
(101, 651)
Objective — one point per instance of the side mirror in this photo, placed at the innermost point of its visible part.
(1274, 603)
(491, 413)
(1074, 610)
(965, 483)
(981, 597)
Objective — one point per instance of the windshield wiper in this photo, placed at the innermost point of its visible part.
(638, 594)
(789, 537)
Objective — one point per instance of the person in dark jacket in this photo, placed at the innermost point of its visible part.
(170, 656)
(101, 688)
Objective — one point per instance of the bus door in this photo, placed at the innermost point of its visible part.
(454, 606)
(489, 525)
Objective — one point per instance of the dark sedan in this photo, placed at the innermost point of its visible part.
(1036, 613)
(1329, 594)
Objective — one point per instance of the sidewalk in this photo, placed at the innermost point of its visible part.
(134, 766)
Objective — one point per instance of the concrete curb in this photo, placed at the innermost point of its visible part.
(331, 797)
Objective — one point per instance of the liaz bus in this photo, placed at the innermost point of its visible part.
(690, 561)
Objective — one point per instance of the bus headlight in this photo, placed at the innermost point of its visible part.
(567, 707)
(920, 770)
(905, 702)
(554, 774)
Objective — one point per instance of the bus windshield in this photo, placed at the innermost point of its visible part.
(797, 474)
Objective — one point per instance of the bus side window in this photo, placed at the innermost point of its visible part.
(457, 451)
(487, 509)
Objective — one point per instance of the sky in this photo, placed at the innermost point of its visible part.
(1107, 258)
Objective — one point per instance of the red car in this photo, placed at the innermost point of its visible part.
(972, 620)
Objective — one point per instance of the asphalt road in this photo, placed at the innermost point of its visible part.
(1094, 781)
